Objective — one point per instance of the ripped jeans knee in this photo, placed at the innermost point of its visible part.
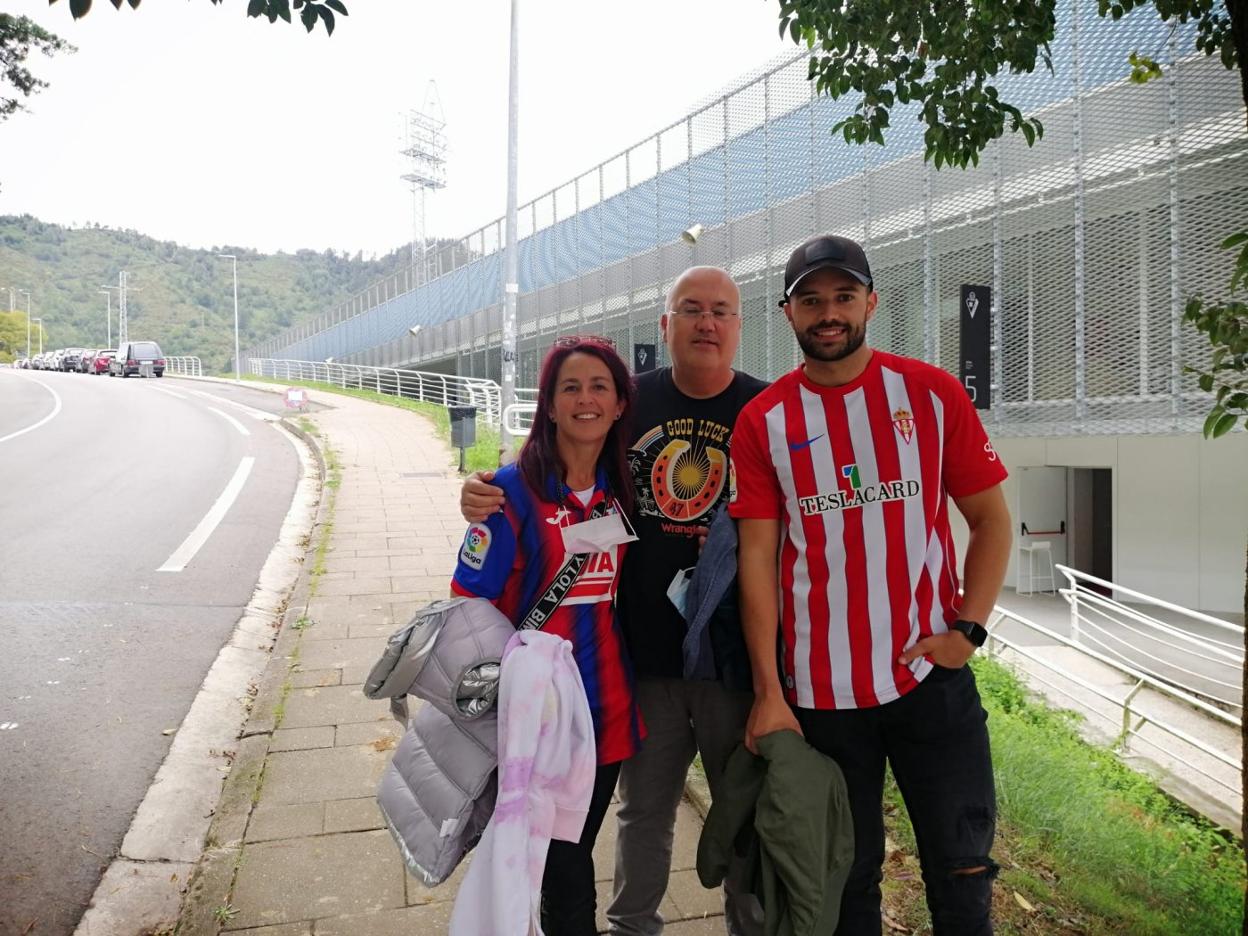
(961, 900)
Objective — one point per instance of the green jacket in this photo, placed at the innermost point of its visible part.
(787, 814)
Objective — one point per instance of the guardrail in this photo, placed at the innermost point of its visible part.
(441, 389)
(1206, 665)
(1133, 719)
(184, 365)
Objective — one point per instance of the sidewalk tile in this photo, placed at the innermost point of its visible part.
(302, 739)
(379, 631)
(353, 815)
(327, 875)
(337, 654)
(361, 542)
(284, 822)
(309, 679)
(376, 601)
(603, 890)
(418, 894)
(326, 774)
(331, 705)
(416, 921)
(388, 730)
(354, 586)
(379, 565)
(700, 926)
(415, 583)
(423, 563)
(282, 929)
(691, 898)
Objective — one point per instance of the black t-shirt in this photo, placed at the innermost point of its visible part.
(679, 464)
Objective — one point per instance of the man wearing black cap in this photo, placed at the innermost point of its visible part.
(858, 635)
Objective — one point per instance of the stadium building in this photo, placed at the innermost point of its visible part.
(1089, 243)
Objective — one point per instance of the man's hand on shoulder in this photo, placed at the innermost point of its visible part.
(769, 713)
(478, 499)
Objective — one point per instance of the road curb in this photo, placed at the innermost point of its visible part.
(212, 878)
(142, 890)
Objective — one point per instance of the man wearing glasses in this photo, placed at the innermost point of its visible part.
(685, 414)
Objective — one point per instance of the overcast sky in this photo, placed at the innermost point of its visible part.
(193, 123)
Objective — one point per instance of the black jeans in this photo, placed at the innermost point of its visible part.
(935, 738)
(569, 902)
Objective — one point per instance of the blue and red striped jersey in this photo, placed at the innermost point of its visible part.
(512, 557)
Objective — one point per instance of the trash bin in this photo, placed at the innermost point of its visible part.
(463, 426)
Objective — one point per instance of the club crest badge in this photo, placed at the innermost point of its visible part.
(903, 422)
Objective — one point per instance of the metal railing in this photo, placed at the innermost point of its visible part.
(184, 365)
(1209, 665)
(1133, 719)
(440, 389)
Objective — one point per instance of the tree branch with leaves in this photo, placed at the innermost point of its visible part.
(19, 36)
(1226, 325)
(310, 11)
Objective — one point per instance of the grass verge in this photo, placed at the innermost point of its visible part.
(1086, 845)
(481, 457)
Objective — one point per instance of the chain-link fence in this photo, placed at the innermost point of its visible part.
(1090, 240)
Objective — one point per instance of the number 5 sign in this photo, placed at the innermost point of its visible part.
(975, 360)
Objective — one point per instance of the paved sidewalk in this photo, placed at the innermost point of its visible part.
(297, 845)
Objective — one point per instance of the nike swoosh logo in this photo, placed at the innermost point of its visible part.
(798, 446)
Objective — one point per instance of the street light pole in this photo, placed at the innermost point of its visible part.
(106, 290)
(511, 278)
(27, 292)
(237, 364)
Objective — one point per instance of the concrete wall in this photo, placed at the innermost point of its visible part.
(1180, 510)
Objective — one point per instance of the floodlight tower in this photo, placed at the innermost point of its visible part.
(424, 150)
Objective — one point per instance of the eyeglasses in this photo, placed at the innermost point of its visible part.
(719, 315)
(571, 341)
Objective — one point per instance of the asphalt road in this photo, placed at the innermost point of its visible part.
(99, 651)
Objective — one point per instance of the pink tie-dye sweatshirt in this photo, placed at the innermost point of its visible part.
(546, 766)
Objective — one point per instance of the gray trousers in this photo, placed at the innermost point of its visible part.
(682, 717)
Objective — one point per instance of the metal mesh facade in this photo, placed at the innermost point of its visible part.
(1091, 239)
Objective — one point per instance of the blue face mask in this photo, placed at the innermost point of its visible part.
(678, 590)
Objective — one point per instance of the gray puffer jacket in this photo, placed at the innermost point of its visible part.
(438, 792)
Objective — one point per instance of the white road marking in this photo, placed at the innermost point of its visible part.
(171, 393)
(231, 420)
(8, 725)
(198, 536)
(249, 410)
(48, 418)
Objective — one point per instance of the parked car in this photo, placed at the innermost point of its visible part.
(137, 357)
(71, 358)
(99, 361)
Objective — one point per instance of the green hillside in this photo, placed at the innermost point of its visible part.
(187, 300)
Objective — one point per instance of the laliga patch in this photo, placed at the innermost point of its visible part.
(476, 546)
(732, 482)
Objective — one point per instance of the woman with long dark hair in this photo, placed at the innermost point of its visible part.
(567, 497)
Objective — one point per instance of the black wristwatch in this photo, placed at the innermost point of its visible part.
(974, 632)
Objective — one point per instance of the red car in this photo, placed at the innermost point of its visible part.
(99, 362)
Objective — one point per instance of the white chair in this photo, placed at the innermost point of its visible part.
(1042, 550)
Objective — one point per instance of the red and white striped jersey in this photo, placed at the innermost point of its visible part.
(858, 475)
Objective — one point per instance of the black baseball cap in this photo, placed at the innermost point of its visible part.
(826, 252)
